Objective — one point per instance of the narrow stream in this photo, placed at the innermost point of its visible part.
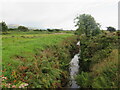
(74, 69)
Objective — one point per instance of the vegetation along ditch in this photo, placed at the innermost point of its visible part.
(47, 67)
(99, 61)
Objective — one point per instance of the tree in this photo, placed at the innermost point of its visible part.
(87, 25)
(57, 30)
(111, 29)
(23, 28)
(50, 30)
(3, 27)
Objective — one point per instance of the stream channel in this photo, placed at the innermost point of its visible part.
(74, 70)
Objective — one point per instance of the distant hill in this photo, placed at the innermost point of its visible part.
(16, 26)
(13, 26)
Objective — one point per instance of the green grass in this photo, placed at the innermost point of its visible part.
(27, 45)
(37, 59)
(107, 75)
(17, 32)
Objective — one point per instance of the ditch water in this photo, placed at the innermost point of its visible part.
(74, 69)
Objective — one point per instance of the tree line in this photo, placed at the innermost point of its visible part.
(85, 24)
(4, 28)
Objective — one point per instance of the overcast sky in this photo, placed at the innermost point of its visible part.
(58, 13)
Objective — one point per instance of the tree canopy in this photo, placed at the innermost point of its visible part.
(87, 25)
(23, 28)
(111, 29)
(3, 27)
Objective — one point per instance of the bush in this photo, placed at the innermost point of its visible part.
(98, 62)
(23, 28)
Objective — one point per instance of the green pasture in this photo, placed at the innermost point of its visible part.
(26, 46)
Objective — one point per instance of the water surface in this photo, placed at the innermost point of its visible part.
(74, 69)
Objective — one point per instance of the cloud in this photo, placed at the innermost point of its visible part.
(58, 13)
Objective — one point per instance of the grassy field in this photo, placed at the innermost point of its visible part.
(35, 60)
(27, 45)
(30, 32)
